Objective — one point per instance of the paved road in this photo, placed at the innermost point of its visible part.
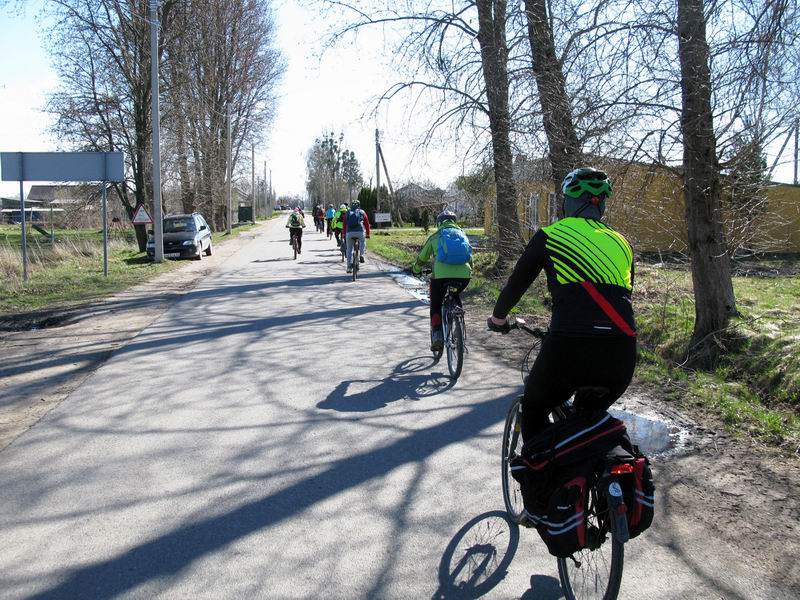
(282, 433)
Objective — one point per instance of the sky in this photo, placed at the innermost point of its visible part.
(334, 92)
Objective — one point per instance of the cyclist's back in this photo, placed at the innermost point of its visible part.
(457, 271)
(589, 268)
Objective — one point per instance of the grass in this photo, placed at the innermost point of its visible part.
(71, 270)
(755, 389)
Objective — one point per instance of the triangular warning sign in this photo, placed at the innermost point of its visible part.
(141, 216)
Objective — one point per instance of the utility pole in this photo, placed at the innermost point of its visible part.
(230, 173)
(158, 225)
(796, 135)
(253, 183)
(377, 170)
(267, 203)
(271, 199)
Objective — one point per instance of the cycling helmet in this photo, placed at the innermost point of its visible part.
(586, 180)
(297, 209)
(330, 205)
(445, 215)
(343, 207)
(355, 204)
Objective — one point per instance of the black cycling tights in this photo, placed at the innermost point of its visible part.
(566, 363)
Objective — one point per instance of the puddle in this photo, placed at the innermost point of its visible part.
(653, 436)
(415, 287)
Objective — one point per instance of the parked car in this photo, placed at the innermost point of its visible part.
(185, 236)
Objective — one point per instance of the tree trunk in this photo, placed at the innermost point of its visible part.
(711, 268)
(562, 141)
(494, 59)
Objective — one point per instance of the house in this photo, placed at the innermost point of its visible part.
(649, 208)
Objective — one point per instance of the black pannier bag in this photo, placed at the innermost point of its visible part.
(556, 469)
(638, 489)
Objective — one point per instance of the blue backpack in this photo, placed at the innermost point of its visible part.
(354, 220)
(453, 247)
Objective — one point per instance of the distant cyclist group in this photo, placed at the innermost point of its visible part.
(349, 225)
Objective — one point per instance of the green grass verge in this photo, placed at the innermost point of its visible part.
(755, 390)
(71, 271)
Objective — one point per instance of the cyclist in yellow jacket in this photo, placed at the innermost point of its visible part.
(592, 335)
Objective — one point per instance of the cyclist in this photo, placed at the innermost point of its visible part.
(295, 223)
(319, 218)
(328, 219)
(443, 274)
(337, 224)
(589, 268)
(355, 226)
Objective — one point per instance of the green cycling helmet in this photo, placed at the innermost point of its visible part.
(586, 180)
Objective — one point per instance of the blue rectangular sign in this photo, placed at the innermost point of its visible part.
(62, 166)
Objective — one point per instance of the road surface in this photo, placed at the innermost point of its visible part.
(281, 432)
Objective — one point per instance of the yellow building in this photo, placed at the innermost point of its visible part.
(648, 207)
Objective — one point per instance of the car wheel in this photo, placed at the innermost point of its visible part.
(209, 251)
(199, 252)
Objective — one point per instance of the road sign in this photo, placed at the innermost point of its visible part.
(62, 166)
(141, 216)
(383, 217)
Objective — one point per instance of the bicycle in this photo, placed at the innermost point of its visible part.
(454, 331)
(597, 571)
(295, 245)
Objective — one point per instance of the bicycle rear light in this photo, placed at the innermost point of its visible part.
(623, 469)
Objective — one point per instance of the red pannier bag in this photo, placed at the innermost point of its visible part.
(556, 469)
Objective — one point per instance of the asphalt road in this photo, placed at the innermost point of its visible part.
(281, 432)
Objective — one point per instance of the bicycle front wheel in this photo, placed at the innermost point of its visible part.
(512, 447)
(455, 345)
(594, 573)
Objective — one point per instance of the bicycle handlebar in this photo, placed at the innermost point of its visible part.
(534, 331)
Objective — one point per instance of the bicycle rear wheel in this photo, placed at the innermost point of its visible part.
(355, 261)
(512, 447)
(596, 571)
(455, 344)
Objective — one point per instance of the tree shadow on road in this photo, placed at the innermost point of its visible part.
(405, 382)
(168, 553)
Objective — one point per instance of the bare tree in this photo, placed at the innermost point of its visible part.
(101, 51)
(223, 63)
(461, 87)
(562, 140)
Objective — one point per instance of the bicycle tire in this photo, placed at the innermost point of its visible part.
(512, 446)
(599, 575)
(455, 345)
(355, 262)
(294, 247)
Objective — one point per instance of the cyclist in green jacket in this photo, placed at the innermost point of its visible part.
(442, 275)
(336, 223)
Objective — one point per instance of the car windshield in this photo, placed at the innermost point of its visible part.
(179, 225)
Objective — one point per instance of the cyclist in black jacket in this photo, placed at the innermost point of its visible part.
(589, 268)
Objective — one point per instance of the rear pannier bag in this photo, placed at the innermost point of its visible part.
(555, 469)
(638, 489)
(562, 523)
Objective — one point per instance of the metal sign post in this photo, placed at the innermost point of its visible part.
(62, 166)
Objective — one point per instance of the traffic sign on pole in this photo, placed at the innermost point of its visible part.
(141, 216)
